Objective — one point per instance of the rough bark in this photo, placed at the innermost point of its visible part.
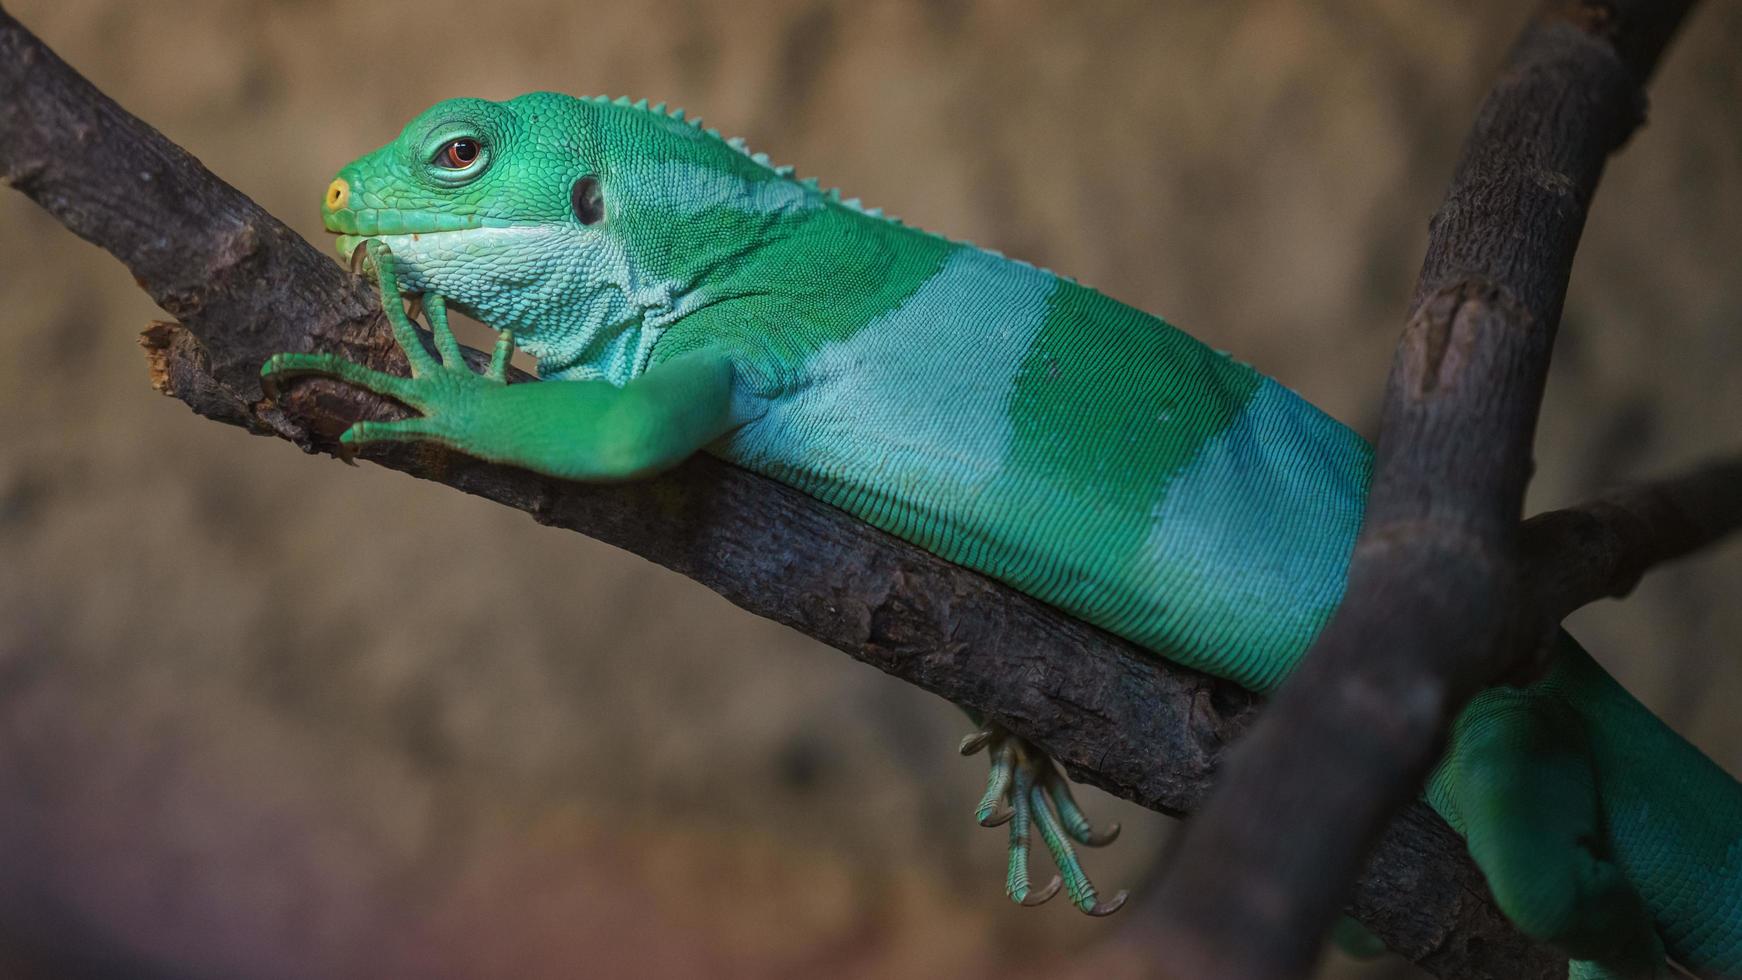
(1604, 546)
(1438, 604)
(242, 286)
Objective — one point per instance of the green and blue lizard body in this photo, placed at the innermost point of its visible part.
(682, 294)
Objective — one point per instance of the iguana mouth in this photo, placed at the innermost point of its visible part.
(371, 222)
(354, 225)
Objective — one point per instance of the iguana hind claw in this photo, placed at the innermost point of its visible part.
(1025, 789)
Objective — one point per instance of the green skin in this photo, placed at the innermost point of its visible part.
(689, 296)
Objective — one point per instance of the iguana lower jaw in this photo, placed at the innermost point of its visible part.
(376, 222)
(398, 235)
(404, 237)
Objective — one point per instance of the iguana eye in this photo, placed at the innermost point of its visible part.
(457, 154)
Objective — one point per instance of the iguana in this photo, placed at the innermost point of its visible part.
(681, 294)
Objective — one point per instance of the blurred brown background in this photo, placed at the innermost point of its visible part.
(245, 694)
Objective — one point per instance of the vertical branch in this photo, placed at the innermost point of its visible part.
(1434, 610)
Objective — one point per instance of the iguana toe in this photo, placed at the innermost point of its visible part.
(1026, 790)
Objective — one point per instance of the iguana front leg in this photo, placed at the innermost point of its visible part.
(1025, 789)
(576, 430)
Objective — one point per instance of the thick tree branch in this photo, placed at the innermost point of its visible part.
(242, 286)
(1434, 609)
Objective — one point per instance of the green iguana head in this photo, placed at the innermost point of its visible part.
(583, 225)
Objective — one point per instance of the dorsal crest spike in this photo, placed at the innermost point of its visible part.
(641, 103)
(621, 100)
(658, 107)
(786, 170)
(677, 114)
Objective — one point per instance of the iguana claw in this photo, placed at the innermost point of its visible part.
(1110, 906)
(1045, 894)
(976, 741)
(997, 818)
(1025, 788)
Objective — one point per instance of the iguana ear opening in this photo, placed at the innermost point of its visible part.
(588, 200)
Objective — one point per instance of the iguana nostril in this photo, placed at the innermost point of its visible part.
(338, 194)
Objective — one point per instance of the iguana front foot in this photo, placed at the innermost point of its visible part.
(1025, 788)
(444, 392)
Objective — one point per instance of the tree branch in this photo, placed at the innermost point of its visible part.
(1603, 547)
(1434, 609)
(243, 286)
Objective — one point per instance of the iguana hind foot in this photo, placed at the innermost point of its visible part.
(1025, 789)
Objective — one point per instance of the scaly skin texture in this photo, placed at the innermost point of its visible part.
(681, 294)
